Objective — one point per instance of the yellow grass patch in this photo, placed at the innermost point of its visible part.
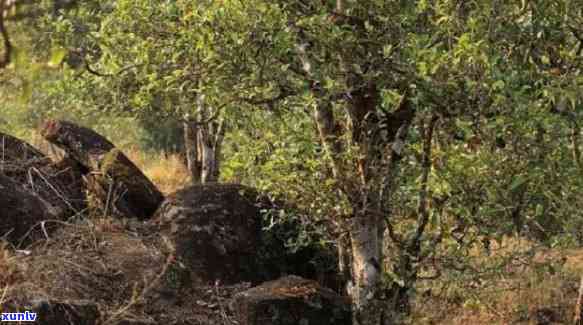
(167, 171)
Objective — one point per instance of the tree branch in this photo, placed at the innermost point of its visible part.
(422, 211)
(99, 74)
(579, 38)
(326, 123)
(284, 92)
(7, 44)
(213, 117)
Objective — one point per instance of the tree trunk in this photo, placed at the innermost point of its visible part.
(575, 133)
(218, 148)
(193, 162)
(208, 157)
(203, 142)
(366, 254)
(345, 262)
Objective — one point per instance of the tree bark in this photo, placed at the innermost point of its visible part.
(4, 33)
(191, 150)
(218, 147)
(367, 182)
(345, 262)
(329, 136)
(109, 170)
(203, 150)
(208, 157)
(366, 254)
(575, 133)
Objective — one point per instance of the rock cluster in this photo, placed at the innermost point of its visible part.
(198, 256)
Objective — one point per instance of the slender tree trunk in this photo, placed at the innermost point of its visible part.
(192, 150)
(208, 156)
(203, 145)
(575, 133)
(218, 147)
(345, 262)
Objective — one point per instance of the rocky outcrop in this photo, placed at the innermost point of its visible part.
(112, 177)
(291, 300)
(58, 183)
(221, 232)
(207, 244)
(215, 230)
(21, 211)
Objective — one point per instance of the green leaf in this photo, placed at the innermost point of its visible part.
(518, 181)
(539, 210)
(498, 85)
(57, 56)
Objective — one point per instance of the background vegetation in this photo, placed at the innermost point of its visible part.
(484, 216)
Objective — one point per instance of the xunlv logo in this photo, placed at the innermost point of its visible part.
(18, 317)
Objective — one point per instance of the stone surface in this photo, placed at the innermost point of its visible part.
(220, 232)
(291, 300)
(22, 212)
(215, 230)
(112, 177)
(59, 184)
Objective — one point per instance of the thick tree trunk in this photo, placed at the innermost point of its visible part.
(379, 140)
(367, 272)
(110, 171)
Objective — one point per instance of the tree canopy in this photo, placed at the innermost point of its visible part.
(412, 131)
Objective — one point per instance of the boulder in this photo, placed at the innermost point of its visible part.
(21, 211)
(291, 300)
(111, 176)
(15, 150)
(221, 232)
(215, 230)
(57, 183)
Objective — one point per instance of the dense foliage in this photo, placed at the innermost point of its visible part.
(493, 150)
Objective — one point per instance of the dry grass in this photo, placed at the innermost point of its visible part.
(167, 171)
(542, 291)
(10, 275)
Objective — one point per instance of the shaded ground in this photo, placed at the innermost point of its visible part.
(126, 271)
